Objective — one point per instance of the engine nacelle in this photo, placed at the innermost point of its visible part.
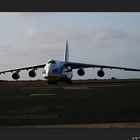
(80, 72)
(32, 73)
(100, 73)
(16, 75)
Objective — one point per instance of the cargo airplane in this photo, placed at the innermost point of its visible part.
(55, 70)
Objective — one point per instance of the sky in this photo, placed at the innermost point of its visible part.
(105, 38)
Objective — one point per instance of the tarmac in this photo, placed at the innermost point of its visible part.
(83, 104)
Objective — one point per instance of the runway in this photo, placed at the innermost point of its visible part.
(94, 104)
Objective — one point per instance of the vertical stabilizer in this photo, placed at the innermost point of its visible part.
(67, 52)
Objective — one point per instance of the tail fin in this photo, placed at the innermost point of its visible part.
(67, 52)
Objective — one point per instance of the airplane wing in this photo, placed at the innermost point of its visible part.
(75, 65)
(24, 68)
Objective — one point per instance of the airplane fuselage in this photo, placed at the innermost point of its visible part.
(55, 71)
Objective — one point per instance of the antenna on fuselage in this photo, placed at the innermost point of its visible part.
(67, 52)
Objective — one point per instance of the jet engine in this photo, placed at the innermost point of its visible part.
(16, 75)
(100, 73)
(81, 72)
(32, 73)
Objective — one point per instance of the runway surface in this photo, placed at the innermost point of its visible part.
(93, 104)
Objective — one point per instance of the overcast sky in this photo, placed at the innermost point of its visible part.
(98, 38)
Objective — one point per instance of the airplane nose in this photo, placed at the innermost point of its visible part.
(49, 72)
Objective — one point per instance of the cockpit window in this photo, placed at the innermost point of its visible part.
(51, 61)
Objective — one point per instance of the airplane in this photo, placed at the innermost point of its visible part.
(55, 70)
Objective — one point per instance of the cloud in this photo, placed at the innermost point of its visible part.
(37, 41)
(31, 32)
(108, 34)
(53, 33)
(99, 37)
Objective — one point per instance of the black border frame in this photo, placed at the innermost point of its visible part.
(70, 5)
(69, 134)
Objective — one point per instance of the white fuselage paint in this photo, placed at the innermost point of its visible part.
(55, 71)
